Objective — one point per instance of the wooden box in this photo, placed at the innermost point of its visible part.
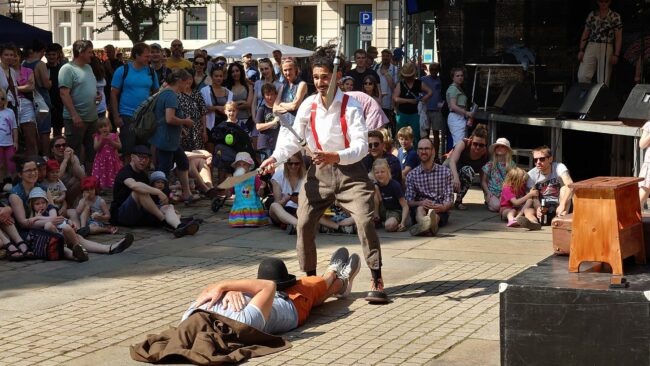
(561, 230)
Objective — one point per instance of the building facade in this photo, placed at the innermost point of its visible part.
(305, 24)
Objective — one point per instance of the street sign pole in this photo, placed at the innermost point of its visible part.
(365, 28)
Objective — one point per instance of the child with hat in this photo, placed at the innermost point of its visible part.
(92, 208)
(247, 209)
(494, 172)
(54, 186)
(159, 181)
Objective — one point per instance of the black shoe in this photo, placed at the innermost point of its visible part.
(186, 229)
(121, 245)
(377, 295)
(84, 231)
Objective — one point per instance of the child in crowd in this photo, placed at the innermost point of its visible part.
(159, 181)
(229, 138)
(347, 83)
(8, 137)
(107, 161)
(93, 210)
(266, 122)
(39, 208)
(247, 209)
(514, 199)
(494, 172)
(406, 154)
(55, 187)
(390, 205)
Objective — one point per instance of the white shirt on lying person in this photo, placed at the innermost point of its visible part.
(328, 129)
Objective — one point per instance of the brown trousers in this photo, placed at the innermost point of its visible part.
(348, 185)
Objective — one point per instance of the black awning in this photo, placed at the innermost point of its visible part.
(21, 34)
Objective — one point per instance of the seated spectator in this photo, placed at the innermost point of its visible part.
(390, 205)
(514, 199)
(494, 172)
(247, 209)
(551, 180)
(287, 181)
(45, 216)
(467, 158)
(132, 199)
(276, 302)
(159, 181)
(406, 154)
(70, 170)
(93, 210)
(56, 190)
(12, 245)
(200, 162)
(429, 190)
(376, 150)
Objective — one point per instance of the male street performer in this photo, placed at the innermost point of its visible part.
(338, 139)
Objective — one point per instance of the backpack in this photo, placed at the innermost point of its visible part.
(45, 244)
(152, 73)
(144, 118)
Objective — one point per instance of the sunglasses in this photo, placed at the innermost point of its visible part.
(58, 146)
(542, 159)
(479, 145)
(373, 145)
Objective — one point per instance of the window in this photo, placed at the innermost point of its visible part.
(196, 23)
(87, 25)
(352, 33)
(245, 21)
(64, 29)
(155, 35)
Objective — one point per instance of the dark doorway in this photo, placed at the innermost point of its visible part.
(304, 27)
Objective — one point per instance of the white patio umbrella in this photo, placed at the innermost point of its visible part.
(257, 47)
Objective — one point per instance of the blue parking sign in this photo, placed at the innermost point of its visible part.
(365, 18)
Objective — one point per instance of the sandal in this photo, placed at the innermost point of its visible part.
(121, 245)
(13, 253)
(79, 253)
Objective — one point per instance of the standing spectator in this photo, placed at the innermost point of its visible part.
(600, 44)
(132, 84)
(277, 65)
(176, 61)
(292, 92)
(26, 114)
(9, 76)
(8, 137)
(107, 161)
(429, 190)
(376, 151)
(53, 66)
(242, 96)
(266, 122)
(371, 88)
(457, 102)
(112, 62)
(251, 72)
(362, 70)
(435, 124)
(467, 159)
(372, 54)
(267, 76)
(78, 88)
(158, 63)
(167, 138)
(201, 77)
(100, 76)
(215, 97)
(407, 96)
(192, 105)
(388, 78)
(42, 86)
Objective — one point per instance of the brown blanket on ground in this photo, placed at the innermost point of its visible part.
(208, 339)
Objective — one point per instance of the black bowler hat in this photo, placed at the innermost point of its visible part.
(141, 149)
(275, 270)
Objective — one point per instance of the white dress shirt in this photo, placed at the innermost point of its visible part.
(328, 129)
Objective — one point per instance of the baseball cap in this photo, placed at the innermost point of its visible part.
(246, 54)
(155, 45)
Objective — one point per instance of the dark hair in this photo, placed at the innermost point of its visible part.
(242, 75)
(8, 46)
(324, 57)
(455, 70)
(54, 47)
(480, 131)
(215, 69)
(138, 49)
(53, 142)
(266, 60)
(36, 46)
(178, 75)
(268, 88)
(376, 134)
(80, 46)
(21, 160)
(360, 51)
(98, 68)
(544, 150)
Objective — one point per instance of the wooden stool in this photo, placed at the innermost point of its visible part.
(606, 222)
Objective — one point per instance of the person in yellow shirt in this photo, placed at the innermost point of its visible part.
(176, 61)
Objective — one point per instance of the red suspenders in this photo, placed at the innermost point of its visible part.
(344, 122)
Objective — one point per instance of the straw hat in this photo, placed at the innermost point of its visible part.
(408, 70)
(501, 141)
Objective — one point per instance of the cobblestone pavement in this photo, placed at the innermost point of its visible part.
(444, 312)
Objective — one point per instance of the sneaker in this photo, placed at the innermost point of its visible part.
(433, 219)
(338, 260)
(347, 275)
(377, 295)
(186, 229)
(530, 225)
(348, 229)
(290, 229)
(422, 227)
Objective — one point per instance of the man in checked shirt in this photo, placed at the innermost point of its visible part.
(429, 190)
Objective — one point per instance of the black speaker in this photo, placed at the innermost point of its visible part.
(636, 110)
(591, 102)
(516, 98)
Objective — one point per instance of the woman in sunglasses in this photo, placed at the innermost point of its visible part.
(201, 78)
(466, 159)
(70, 171)
(371, 87)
